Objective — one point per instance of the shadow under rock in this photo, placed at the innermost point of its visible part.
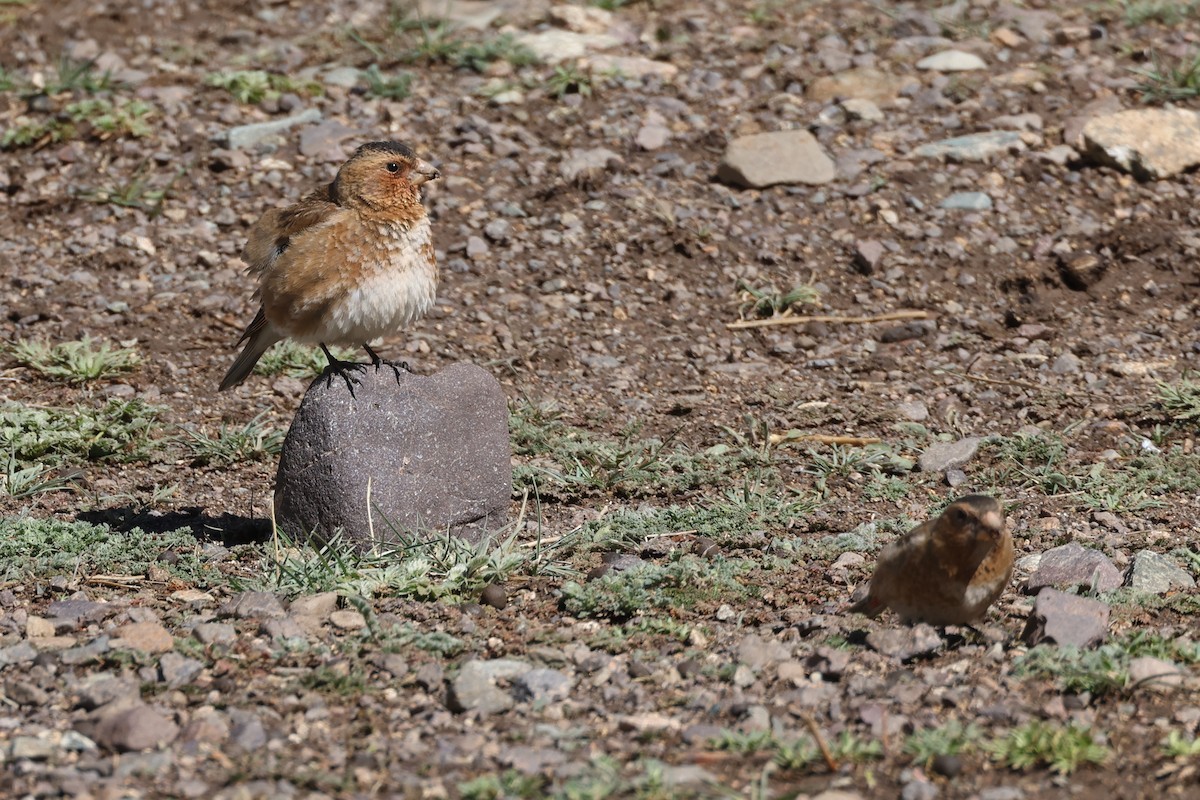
(229, 529)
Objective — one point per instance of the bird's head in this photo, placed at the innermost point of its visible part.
(971, 526)
(383, 178)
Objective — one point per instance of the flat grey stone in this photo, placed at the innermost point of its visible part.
(244, 137)
(19, 653)
(253, 605)
(952, 61)
(246, 730)
(432, 451)
(1146, 672)
(1155, 573)
(905, 643)
(102, 689)
(967, 201)
(866, 83)
(1066, 619)
(1149, 143)
(541, 685)
(31, 748)
(1072, 565)
(85, 654)
(178, 670)
(781, 157)
(975, 147)
(941, 456)
(130, 728)
(586, 166)
(214, 633)
(475, 689)
(758, 652)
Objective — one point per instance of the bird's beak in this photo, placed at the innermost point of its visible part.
(424, 171)
(993, 523)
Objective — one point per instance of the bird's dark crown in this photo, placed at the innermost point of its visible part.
(978, 502)
(385, 147)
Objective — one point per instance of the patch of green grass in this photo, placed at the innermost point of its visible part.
(437, 567)
(255, 85)
(75, 362)
(508, 784)
(391, 87)
(621, 638)
(8, 80)
(396, 639)
(569, 79)
(18, 480)
(1181, 745)
(234, 444)
(743, 742)
(1181, 400)
(564, 461)
(950, 739)
(681, 583)
(843, 462)
(1170, 81)
(134, 192)
(109, 118)
(120, 430)
(297, 361)
(44, 548)
(1062, 749)
(1104, 669)
(26, 131)
(73, 75)
(343, 679)
(1164, 12)
(477, 56)
(767, 301)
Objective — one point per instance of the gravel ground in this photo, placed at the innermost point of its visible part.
(1013, 313)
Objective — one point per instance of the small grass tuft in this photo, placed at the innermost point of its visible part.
(767, 301)
(1180, 745)
(43, 548)
(950, 739)
(1164, 12)
(390, 87)
(75, 362)
(120, 430)
(1181, 400)
(569, 79)
(297, 361)
(253, 441)
(1166, 81)
(256, 85)
(681, 583)
(1062, 749)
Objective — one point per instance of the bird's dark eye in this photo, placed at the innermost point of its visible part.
(393, 166)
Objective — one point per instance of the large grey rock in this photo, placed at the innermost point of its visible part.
(433, 453)
(1072, 564)
(1150, 143)
(1155, 573)
(244, 137)
(767, 159)
(941, 456)
(475, 689)
(973, 147)
(1066, 619)
(129, 727)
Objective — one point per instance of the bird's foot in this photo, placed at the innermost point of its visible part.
(343, 369)
(377, 361)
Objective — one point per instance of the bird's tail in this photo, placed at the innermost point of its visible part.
(866, 604)
(258, 337)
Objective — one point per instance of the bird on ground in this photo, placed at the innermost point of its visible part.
(946, 571)
(349, 263)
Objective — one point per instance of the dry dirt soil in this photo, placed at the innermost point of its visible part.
(1059, 325)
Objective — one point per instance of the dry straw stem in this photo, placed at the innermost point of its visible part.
(771, 322)
(822, 438)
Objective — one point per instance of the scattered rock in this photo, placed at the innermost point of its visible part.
(867, 255)
(861, 108)
(244, 137)
(584, 167)
(555, 46)
(1071, 565)
(253, 605)
(348, 619)
(975, 147)
(148, 637)
(967, 201)
(635, 67)
(1066, 619)
(864, 83)
(214, 633)
(435, 450)
(952, 61)
(494, 596)
(941, 456)
(1154, 573)
(768, 159)
(314, 605)
(905, 643)
(475, 689)
(1146, 672)
(541, 686)
(1149, 143)
(130, 728)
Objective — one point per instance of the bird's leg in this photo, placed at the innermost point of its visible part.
(377, 360)
(341, 368)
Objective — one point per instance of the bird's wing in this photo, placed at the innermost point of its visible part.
(273, 233)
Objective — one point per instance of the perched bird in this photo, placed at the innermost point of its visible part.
(947, 570)
(349, 263)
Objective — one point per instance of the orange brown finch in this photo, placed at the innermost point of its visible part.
(349, 263)
(947, 570)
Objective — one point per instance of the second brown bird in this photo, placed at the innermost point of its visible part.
(947, 570)
(349, 263)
